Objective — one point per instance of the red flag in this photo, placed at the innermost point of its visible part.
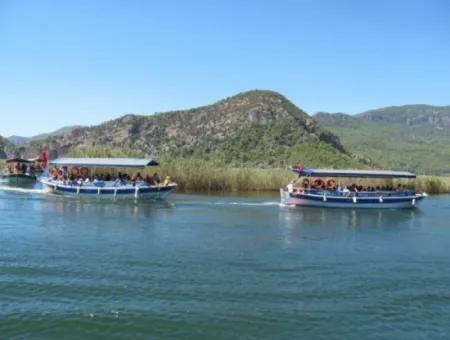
(44, 158)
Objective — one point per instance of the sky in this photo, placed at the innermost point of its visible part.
(85, 62)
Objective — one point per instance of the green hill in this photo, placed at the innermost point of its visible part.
(255, 128)
(413, 137)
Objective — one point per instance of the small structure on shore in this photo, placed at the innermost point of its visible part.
(105, 177)
(321, 188)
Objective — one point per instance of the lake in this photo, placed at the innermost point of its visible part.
(221, 267)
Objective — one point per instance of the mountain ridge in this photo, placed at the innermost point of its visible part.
(414, 137)
(258, 128)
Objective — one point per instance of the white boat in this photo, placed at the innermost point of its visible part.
(59, 181)
(319, 188)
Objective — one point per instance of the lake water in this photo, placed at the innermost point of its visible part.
(221, 267)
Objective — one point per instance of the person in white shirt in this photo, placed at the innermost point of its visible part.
(290, 187)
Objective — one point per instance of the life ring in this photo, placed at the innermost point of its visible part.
(305, 183)
(75, 171)
(319, 183)
(84, 172)
(331, 184)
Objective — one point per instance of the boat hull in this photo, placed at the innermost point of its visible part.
(152, 192)
(380, 202)
(19, 179)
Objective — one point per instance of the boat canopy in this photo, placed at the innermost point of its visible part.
(353, 173)
(19, 160)
(105, 162)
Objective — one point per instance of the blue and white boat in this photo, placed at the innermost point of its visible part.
(321, 188)
(78, 177)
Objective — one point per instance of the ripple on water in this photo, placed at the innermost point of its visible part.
(222, 267)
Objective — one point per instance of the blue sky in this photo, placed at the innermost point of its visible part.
(84, 62)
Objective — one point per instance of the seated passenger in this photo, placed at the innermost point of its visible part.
(156, 178)
(346, 191)
(148, 180)
(290, 187)
(137, 178)
(167, 181)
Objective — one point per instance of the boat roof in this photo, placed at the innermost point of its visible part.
(105, 162)
(19, 160)
(354, 173)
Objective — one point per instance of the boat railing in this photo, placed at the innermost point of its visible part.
(103, 184)
(337, 193)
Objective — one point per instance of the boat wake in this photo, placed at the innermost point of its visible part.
(22, 190)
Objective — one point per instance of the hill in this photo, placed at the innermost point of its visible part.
(6, 148)
(255, 128)
(413, 137)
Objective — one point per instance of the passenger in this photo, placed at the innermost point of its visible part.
(346, 191)
(108, 177)
(137, 178)
(290, 187)
(156, 178)
(148, 180)
(167, 181)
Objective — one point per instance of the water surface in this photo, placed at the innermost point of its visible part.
(223, 267)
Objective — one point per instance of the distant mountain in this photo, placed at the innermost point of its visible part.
(420, 117)
(414, 137)
(60, 132)
(20, 140)
(258, 128)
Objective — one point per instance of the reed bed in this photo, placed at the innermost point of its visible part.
(202, 176)
(433, 184)
(195, 174)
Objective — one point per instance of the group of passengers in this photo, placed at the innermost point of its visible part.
(353, 188)
(360, 188)
(100, 179)
(21, 169)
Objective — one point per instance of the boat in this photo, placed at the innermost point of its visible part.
(85, 177)
(20, 172)
(325, 188)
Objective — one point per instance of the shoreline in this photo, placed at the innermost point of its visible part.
(198, 176)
